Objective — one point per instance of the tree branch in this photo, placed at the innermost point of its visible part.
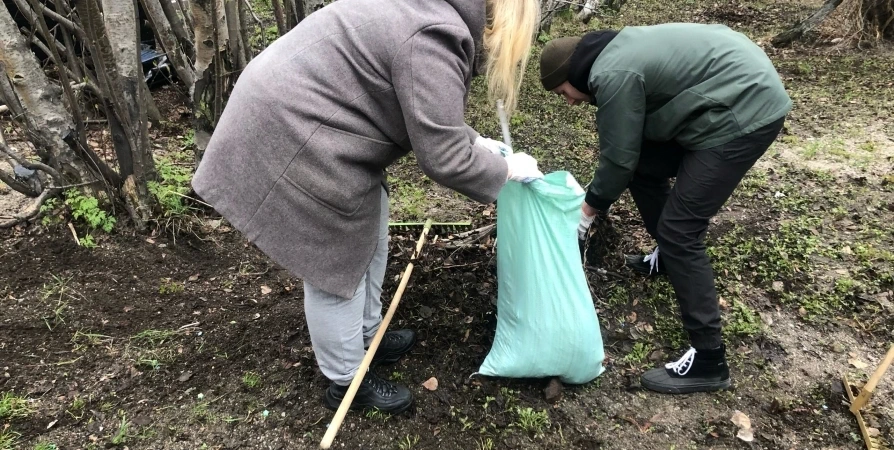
(30, 13)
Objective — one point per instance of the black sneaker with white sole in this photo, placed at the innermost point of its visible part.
(696, 371)
(394, 345)
(373, 393)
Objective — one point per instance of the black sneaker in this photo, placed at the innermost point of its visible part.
(373, 392)
(696, 371)
(393, 346)
(646, 265)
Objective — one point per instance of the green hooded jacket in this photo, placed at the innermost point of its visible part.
(701, 85)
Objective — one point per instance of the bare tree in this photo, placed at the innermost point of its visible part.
(121, 28)
(170, 40)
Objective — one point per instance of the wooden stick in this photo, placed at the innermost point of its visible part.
(866, 392)
(364, 365)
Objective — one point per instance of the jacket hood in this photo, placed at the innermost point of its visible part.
(474, 14)
(589, 48)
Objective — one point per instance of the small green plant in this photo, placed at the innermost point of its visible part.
(171, 189)
(169, 286)
(484, 444)
(152, 364)
(14, 407)
(76, 410)
(638, 353)
(45, 446)
(8, 439)
(86, 208)
(532, 421)
(742, 321)
(466, 423)
(376, 414)
(251, 380)
(153, 338)
(49, 212)
(397, 376)
(121, 435)
(408, 442)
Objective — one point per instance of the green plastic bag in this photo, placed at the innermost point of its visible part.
(546, 323)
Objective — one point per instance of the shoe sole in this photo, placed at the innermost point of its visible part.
(333, 403)
(690, 389)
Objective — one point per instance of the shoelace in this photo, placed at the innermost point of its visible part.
(682, 366)
(382, 387)
(652, 259)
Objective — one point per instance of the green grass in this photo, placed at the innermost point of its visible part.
(14, 407)
(408, 442)
(531, 421)
(9, 439)
(251, 380)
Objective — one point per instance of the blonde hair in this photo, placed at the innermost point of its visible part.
(507, 42)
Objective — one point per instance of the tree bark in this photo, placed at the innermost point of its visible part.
(121, 28)
(588, 11)
(280, 17)
(244, 42)
(312, 5)
(234, 37)
(787, 37)
(169, 42)
(70, 57)
(37, 102)
(206, 90)
(178, 27)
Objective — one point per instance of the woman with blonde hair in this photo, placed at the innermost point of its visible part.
(297, 161)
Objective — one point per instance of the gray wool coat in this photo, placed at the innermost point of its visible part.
(296, 162)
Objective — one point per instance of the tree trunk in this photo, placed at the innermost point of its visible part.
(244, 31)
(206, 91)
(787, 37)
(312, 5)
(70, 58)
(280, 17)
(169, 41)
(121, 28)
(38, 103)
(234, 37)
(178, 27)
(588, 11)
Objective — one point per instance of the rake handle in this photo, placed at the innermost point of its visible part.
(866, 391)
(367, 359)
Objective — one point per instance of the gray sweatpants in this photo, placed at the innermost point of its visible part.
(341, 328)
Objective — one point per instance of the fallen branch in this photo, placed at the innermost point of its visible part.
(33, 210)
(796, 32)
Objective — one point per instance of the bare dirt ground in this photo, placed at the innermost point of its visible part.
(195, 340)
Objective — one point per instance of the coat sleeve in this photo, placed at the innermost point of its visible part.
(621, 102)
(428, 74)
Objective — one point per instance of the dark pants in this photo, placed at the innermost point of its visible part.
(678, 217)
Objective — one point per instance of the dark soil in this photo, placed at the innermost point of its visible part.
(200, 341)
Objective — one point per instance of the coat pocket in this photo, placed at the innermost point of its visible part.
(334, 168)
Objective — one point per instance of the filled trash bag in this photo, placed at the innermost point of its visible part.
(546, 322)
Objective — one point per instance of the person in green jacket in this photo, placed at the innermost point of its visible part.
(699, 103)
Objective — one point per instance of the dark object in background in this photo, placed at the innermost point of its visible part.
(156, 68)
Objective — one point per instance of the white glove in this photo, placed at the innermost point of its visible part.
(495, 147)
(523, 168)
(584, 225)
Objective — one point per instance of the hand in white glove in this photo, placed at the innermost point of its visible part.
(523, 168)
(584, 225)
(495, 147)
